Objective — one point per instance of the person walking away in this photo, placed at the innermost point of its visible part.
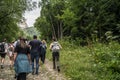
(22, 60)
(35, 44)
(55, 47)
(43, 51)
(10, 54)
(17, 41)
(3, 52)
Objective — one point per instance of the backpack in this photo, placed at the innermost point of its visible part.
(2, 47)
(55, 47)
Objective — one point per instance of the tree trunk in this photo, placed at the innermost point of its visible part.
(61, 30)
(53, 32)
(58, 30)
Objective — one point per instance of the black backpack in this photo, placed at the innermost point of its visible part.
(2, 47)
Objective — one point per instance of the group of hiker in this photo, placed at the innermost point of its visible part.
(24, 55)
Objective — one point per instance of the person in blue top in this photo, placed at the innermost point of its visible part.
(35, 44)
(22, 60)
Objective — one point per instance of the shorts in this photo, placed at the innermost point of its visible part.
(3, 55)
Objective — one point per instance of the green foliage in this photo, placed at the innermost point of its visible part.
(11, 12)
(81, 18)
(49, 15)
(107, 56)
(43, 27)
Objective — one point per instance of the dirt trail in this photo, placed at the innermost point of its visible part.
(45, 73)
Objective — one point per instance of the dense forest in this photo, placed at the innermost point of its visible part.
(80, 19)
(88, 30)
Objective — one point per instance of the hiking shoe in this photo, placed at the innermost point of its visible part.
(33, 73)
(36, 74)
(2, 66)
(59, 70)
(15, 76)
(54, 67)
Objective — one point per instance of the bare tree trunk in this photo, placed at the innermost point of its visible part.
(53, 34)
(58, 30)
(61, 30)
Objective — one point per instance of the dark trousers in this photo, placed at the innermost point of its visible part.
(55, 56)
(35, 56)
(21, 76)
(42, 56)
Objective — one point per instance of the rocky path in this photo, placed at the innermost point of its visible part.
(45, 73)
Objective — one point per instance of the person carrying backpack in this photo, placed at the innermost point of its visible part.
(3, 52)
(55, 47)
(10, 54)
(43, 48)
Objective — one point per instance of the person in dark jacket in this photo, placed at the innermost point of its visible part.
(43, 47)
(3, 52)
(35, 44)
(22, 60)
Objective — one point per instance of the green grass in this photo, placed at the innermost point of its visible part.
(81, 63)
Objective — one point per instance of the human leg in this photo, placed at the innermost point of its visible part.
(44, 57)
(57, 61)
(18, 77)
(11, 61)
(53, 56)
(21, 76)
(2, 59)
(37, 63)
(11, 57)
(32, 60)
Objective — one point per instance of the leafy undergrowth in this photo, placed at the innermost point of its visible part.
(97, 62)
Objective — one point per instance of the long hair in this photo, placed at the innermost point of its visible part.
(43, 41)
(22, 43)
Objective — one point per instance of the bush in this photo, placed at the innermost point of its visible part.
(108, 56)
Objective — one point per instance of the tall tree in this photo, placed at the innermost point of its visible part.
(50, 10)
(11, 12)
(85, 19)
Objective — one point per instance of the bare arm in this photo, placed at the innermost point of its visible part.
(50, 46)
(60, 46)
(15, 55)
(29, 58)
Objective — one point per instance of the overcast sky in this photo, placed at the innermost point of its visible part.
(32, 15)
